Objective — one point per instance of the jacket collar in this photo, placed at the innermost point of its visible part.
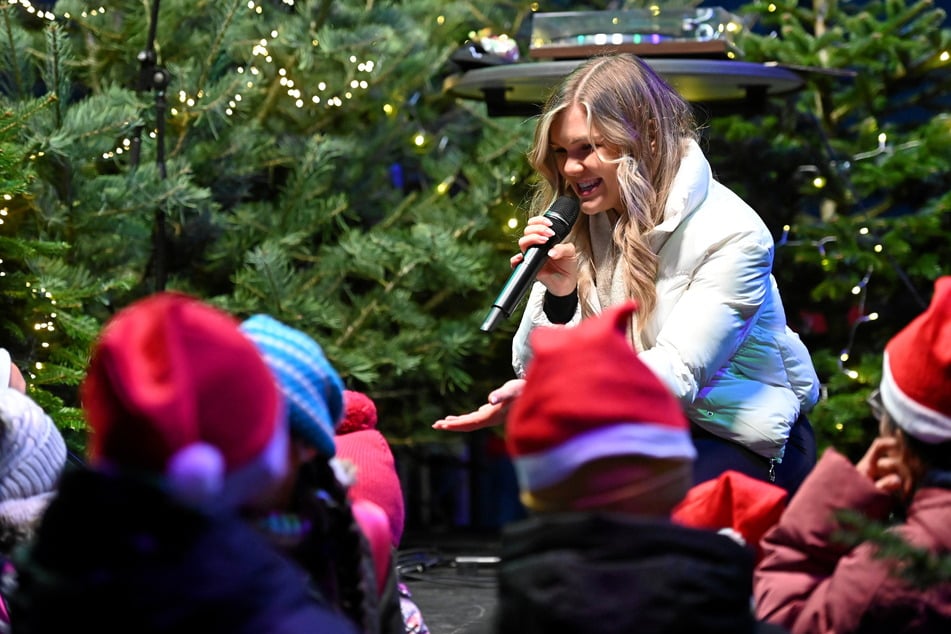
(688, 191)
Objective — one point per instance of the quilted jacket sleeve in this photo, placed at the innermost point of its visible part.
(808, 581)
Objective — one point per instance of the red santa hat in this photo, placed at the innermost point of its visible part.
(735, 501)
(916, 373)
(174, 388)
(587, 396)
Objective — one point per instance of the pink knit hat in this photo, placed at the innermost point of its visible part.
(361, 443)
(587, 396)
(174, 388)
(916, 373)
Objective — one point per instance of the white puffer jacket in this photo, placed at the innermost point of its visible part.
(718, 336)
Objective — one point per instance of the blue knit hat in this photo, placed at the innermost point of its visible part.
(312, 387)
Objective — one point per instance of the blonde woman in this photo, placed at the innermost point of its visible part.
(657, 227)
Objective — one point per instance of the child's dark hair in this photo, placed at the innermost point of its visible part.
(932, 456)
(334, 552)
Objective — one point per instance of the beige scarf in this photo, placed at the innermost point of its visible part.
(609, 269)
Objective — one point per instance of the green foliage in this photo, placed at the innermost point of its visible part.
(314, 169)
(292, 183)
(37, 300)
(916, 566)
(854, 184)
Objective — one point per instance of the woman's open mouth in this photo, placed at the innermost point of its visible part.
(586, 187)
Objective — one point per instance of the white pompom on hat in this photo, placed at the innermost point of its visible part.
(916, 373)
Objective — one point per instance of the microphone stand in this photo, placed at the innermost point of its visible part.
(154, 78)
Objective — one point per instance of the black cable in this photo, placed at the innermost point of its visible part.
(431, 566)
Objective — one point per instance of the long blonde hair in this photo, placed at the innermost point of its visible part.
(649, 124)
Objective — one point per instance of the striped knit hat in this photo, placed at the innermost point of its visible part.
(32, 451)
(587, 396)
(916, 373)
(312, 387)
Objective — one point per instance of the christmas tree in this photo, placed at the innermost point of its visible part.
(852, 176)
(293, 158)
(302, 159)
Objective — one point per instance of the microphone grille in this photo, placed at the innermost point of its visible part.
(563, 213)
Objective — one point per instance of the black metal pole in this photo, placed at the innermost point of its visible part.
(156, 79)
(147, 58)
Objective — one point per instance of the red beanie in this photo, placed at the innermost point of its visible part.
(588, 396)
(361, 443)
(916, 374)
(359, 412)
(169, 373)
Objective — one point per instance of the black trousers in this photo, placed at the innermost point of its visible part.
(716, 455)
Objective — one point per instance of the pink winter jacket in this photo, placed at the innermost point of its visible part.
(807, 582)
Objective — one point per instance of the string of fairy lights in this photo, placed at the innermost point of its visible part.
(260, 58)
(860, 289)
(260, 67)
(4, 212)
(260, 54)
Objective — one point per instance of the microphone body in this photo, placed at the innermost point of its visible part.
(563, 213)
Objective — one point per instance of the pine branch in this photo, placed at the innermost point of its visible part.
(216, 45)
(322, 13)
(92, 126)
(58, 51)
(12, 62)
(917, 566)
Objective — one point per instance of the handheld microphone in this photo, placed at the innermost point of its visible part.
(563, 213)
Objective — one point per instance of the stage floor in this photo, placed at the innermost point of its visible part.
(452, 579)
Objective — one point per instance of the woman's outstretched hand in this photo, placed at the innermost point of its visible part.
(490, 414)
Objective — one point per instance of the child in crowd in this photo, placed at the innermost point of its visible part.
(188, 434)
(32, 458)
(315, 522)
(810, 579)
(602, 458)
(377, 484)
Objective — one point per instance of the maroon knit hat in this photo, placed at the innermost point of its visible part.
(587, 396)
